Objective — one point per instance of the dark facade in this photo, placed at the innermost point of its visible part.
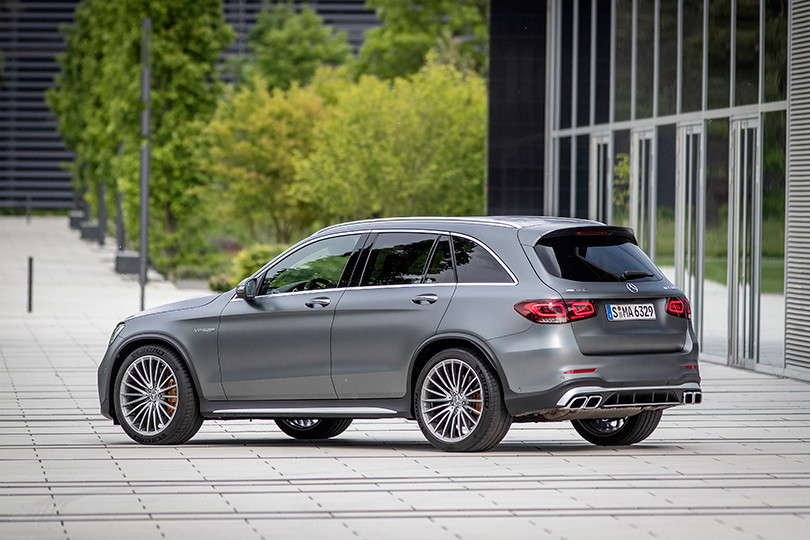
(517, 72)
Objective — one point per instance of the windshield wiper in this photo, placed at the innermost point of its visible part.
(634, 274)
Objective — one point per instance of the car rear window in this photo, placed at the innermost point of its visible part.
(474, 264)
(594, 258)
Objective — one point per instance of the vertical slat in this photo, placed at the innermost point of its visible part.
(797, 287)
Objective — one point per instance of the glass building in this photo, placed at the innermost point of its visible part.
(678, 118)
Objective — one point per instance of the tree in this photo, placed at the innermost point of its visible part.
(290, 46)
(98, 105)
(414, 146)
(250, 146)
(410, 28)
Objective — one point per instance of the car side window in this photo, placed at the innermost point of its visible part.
(440, 269)
(397, 259)
(318, 265)
(474, 264)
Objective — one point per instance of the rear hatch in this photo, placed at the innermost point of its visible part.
(630, 295)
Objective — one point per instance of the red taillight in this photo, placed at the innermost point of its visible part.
(679, 307)
(555, 311)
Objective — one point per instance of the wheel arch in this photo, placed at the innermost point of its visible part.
(141, 341)
(449, 341)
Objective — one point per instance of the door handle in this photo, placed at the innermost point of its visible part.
(317, 302)
(423, 299)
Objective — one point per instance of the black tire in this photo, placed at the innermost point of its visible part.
(154, 397)
(618, 431)
(466, 414)
(313, 428)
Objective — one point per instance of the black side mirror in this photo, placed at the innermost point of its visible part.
(247, 289)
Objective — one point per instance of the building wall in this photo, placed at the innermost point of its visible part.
(517, 74)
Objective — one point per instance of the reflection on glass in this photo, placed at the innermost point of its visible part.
(719, 53)
(772, 300)
(668, 62)
(564, 208)
(665, 202)
(692, 76)
(621, 179)
(715, 294)
(583, 162)
(645, 58)
(746, 88)
(584, 63)
(776, 50)
(566, 63)
(624, 57)
(602, 62)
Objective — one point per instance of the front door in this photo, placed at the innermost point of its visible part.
(276, 346)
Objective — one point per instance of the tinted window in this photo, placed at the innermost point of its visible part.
(595, 258)
(440, 269)
(316, 266)
(474, 264)
(398, 259)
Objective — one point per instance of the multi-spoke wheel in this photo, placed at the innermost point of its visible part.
(313, 428)
(618, 431)
(458, 402)
(154, 397)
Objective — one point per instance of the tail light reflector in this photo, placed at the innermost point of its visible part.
(555, 311)
(679, 307)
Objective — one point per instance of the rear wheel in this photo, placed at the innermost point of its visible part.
(313, 428)
(459, 404)
(155, 400)
(618, 431)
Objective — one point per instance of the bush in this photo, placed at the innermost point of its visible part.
(245, 263)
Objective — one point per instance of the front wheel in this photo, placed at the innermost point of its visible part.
(155, 400)
(313, 428)
(459, 404)
(618, 431)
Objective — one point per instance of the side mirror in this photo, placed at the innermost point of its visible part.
(247, 289)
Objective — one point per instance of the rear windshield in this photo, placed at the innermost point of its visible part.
(595, 258)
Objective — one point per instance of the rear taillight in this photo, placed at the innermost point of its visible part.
(679, 306)
(555, 311)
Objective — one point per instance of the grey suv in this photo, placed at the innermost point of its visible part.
(464, 324)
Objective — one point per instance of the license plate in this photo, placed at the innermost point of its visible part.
(630, 312)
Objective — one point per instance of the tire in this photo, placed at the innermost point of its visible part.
(154, 397)
(459, 404)
(618, 431)
(313, 428)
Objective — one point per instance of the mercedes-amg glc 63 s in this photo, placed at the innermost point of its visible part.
(463, 324)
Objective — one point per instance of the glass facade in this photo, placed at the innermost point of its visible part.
(672, 120)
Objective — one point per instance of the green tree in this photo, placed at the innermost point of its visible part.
(290, 46)
(410, 28)
(250, 148)
(97, 102)
(414, 146)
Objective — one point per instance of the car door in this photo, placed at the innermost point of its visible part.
(403, 292)
(276, 346)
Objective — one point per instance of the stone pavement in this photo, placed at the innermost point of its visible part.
(736, 467)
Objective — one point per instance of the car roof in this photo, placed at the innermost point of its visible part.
(539, 224)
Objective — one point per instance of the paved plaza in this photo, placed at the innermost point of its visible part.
(735, 467)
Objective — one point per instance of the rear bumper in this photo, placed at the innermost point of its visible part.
(546, 377)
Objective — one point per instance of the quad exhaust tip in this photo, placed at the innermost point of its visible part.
(585, 402)
(692, 398)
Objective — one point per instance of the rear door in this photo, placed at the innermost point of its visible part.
(603, 265)
(399, 301)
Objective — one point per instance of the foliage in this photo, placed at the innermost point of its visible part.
(415, 146)
(97, 103)
(244, 264)
(410, 28)
(621, 184)
(250, 147)
(289, 47)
